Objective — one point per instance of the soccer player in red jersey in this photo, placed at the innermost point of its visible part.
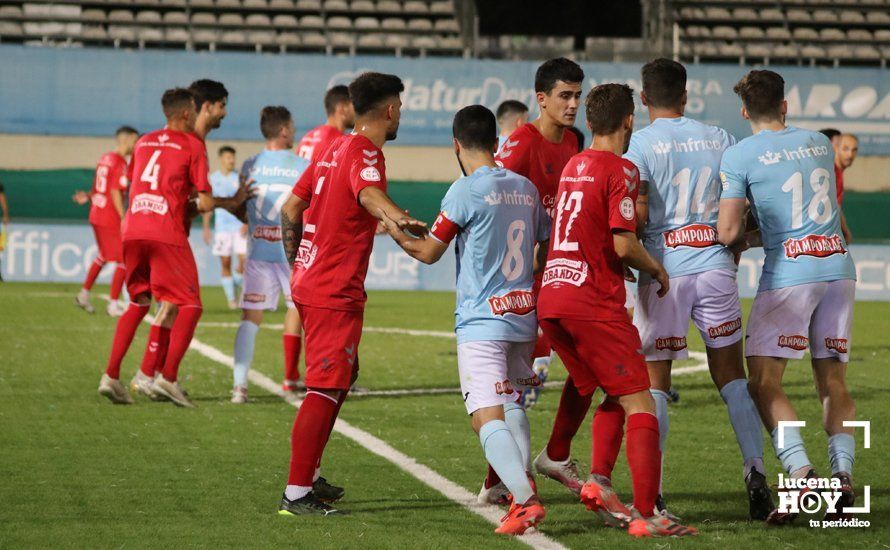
(341, 117)
(106, 212)
(539, 150)
(211, 100)
(327, 229)
(166, 167)
(581, 310)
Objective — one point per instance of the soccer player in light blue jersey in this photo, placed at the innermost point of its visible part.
(271, 173)
(679, 162)
(498, 222)
(807, 288)
(228, 233)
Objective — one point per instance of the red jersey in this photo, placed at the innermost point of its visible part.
(316, 141)
(111, 175)
(529, 154)
(338, 232)
(584, 278)
(165, 167)
(839, 177)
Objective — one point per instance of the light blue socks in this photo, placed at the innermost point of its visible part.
(245, 339)
(841, 453)
(514, 416)
(793, 454)
(745, 423)
(228, 285)
(504, 456)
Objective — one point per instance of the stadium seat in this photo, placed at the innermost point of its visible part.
(228, 4)
(885, 52)
(420, 25)
(362, 6)
(312, 22)
(285, 21)
(771, 15)
(205, 36)
(730, 50)
(177, 35)
(339, 22)
(201, 3)
(757, 50)
(234, 38)
(120, 16)
(415, 6)
(203, 18)
(89, 32)
(86, 15)
(281, 4)
(231, 19)
(751, 32)
(451, 43)
(859, 35)
(778, 33)
(798, 15)
(692, 13)
(882, 35)
(724, 32)
(866, 52)
(313, 39)
(396, 41)
(840, 51)
(446, 25)
(175, 3)
(442, 6)
(262, 38)
(744, 14)
(336, 5)
(785, 51)
(288, 39)
(825, 16)
(262, 4)
(370, 41)
(717, 13)
(804, 33)
(148, 16)
(122, 33)
(878, 17)
(393, 23)
(852, 16)
(308, 5)
(705, 49)
(176, 18)
(15, 12)
(341, 39)
(149, 34)
(831, 34)
(389, 6)
(258, 20)
(367, 23)
(423, 42)
(812, 51)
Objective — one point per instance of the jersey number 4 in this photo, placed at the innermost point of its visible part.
(150, 173)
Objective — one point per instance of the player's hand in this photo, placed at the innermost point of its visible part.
(629, 275)
(81, 197)
(245, 192)
(380, 229)
(663, 280)
(207, 236)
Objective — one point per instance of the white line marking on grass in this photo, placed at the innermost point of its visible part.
(424, 474)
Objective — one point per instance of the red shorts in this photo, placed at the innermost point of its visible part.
(108, 239)
(165, 271)
(600, 354)
(331, 346)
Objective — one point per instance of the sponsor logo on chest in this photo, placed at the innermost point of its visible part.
(517, 302)
(696, 235)
(795, 342)
(267, 233)
(564, 270)
(817, 246)
(147, 202)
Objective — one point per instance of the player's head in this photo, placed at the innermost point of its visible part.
(579, 135)
(179, 109)
(558, 90)
(226, 157)
(832, 134)
(763, 96)
(475, 131)
(511, 114)
(338, 105)
(375, 97)
(847, 149)
(610, 111)
(277, 124)
(126, 137)
(664, 85)
(211, 98)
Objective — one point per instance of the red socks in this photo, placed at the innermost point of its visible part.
(572, 409)
(123, 337)
(155, 350)
(292, 343)
(180, 338)
(333, 421)
(95, 268)
(644, 459)
(608, 431)
(309, 436)
(117, 282)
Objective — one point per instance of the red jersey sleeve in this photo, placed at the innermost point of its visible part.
(514, 155)
(303, 187)
(198, 169)
(624, 185)
(366, 170)
(117, 178)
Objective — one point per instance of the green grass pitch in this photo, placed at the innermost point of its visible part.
(76, 471)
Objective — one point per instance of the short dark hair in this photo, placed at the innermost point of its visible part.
(664, 82)
(272, 119)
(335, 96)
(762, 93)
(207, 90)
(579, 135)
(607, 106)
(225, 149)
(475, 128)
(176, 99)
(830, 133)
(125, 130)
(554, 70)
(370, 89)
(511, 107)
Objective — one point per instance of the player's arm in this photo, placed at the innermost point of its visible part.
(117, 199)
(632, 254)
(426, 250)
(205, 222)
(81, 197)
(642, 208)
(731, 221)
(292, 226)
(541, 256)
(379, 205)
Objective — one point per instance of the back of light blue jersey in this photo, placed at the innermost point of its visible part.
(680, 158)
(500, 217)
(224, 186)
(788, 176)
(274, 174)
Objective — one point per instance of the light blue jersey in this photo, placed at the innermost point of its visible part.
(680, 158)
(497, 217)
(224, 186)
(788, 177)
(274, 174)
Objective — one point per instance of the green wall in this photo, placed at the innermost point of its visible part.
(46, 194)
